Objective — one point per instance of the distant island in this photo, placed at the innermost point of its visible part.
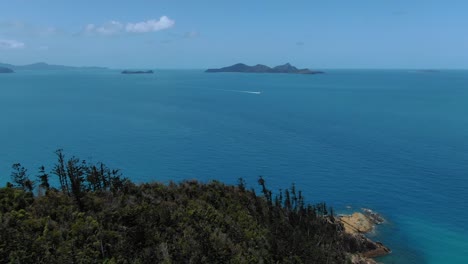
(44, 66)
(6, 70)
(428, 71)
(137, 72)
(260, 68)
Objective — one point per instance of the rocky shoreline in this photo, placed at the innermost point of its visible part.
(358, 224)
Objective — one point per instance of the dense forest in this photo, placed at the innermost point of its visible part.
(95, 215)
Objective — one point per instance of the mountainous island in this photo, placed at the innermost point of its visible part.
(41, 66)
(137, 72)
(82, 212)
(6, 70)
(260, 68)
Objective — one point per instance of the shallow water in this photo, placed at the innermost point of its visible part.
(394, 141)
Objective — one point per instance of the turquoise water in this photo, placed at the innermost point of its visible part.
(393, 141)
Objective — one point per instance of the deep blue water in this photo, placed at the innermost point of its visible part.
(394, 141)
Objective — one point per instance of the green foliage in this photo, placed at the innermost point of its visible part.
(20, 178)
(99, 217)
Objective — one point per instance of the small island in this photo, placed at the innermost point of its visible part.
(428, 71)
(260, 68)
(6, 70)
(137, 72)
(42, 66)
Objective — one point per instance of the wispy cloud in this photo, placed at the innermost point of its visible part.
(116, 27)
(166, 41)
(18, 28)
(110, 28)
(11, 44)
(191, 34)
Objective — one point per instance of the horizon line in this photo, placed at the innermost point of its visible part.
(204, 68)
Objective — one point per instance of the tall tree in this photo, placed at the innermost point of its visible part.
(18, 175)
(43, 179)
(76, 170)
(265, 191)
(20, 178)
(241, 184)
(287, 200)
(61, 172)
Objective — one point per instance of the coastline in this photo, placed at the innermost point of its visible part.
(358, 225)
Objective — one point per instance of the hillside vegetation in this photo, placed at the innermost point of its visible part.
(95, 215)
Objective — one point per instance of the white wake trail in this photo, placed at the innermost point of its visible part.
(239, 91)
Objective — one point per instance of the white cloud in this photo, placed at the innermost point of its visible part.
(115, 27)
(11, 44)
(110, 28)
(151, 25)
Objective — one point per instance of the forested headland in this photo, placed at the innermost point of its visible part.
(93, 214)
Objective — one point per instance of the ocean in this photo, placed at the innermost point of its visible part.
(395, 141)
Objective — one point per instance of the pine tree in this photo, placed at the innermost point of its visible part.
(18, 176)
(241, 184)
(43, 179)
(60, 171)
(287, 201)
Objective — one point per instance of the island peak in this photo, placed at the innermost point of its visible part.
(260, 68)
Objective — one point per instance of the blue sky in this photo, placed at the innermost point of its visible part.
(199, 34)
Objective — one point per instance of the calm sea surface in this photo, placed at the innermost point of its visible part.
(393, 141)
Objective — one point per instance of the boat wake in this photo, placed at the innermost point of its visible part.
(239, 91)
